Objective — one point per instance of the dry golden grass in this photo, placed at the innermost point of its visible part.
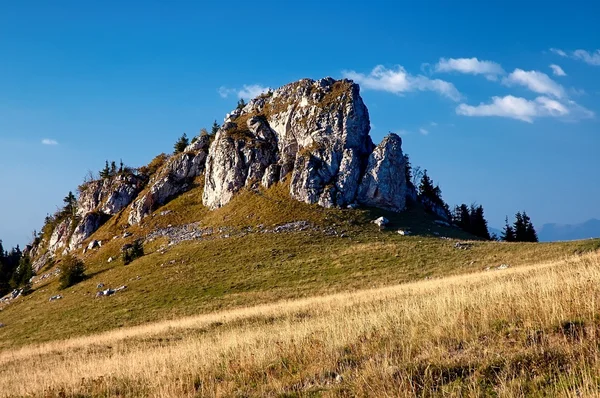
(523, 331)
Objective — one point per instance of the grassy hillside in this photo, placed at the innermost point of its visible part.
(523, 331)
(246, 263)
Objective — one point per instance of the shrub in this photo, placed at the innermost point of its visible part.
(133, 251)
(152, 167)
(72, 271)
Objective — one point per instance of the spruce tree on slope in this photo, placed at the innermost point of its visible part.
(181, 144)
(508, 233)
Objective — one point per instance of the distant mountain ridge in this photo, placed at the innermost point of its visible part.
(556, 232)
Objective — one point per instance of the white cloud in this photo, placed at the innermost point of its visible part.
(252, 91)
(559, 52)
(423, 131)
(589, 58)
(224, 92)
(433, 124)
(535, 81)
(399, 81)
(526, 110)
(471, 66)
(48, 141)
(557, 70)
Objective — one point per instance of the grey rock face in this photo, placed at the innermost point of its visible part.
(173, 179)
(384, 183)
(109, 195)
(60, 236)
(86, 227)
(315, 131)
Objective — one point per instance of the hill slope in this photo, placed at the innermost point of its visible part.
(523, 331)
(262, 246)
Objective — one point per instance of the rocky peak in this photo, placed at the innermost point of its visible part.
(315, 131)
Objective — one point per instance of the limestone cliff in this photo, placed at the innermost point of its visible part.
(317, 134)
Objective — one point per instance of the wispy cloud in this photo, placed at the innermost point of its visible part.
(535, 81)
(558, 51)
(48, 141)
(252, 91)
(592, 58)
(224, 92)
(526, 110)
(399, 81)
(248, 91)
(423, 131)
(589, 57)
(557, 70)
(473, 66)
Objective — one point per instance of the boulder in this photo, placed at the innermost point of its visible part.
(381, 222)
(93, 244)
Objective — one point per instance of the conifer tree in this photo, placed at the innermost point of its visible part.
(215, 128)
(113, 168)
(520, 228)
(70, 202)
(105, 172)
(479, 225)
(508, 233)
(241, 103)
(181, 144)
(426, 188)
(407, 169)
(530, 235)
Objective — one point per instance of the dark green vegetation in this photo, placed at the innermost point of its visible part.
(72, 271)
(181, 144)
(15, 269)
(132, 251)
(244, 265)
(522, 229)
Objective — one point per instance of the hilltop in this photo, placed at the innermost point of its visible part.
(289, 202)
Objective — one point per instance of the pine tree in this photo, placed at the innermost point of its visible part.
(530, 233)
(520, 228)
(479, 226)
(241, 103)
(113, 168)
(105, 172)
(426, 186)
(70, 202)
(508, 233)
(181, 144)
(121, 166)
(407, 169)
(215, 128)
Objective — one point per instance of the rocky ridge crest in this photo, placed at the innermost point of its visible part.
(314, 134)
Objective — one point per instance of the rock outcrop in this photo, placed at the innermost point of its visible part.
(109, 195)
(60, 236)
(172, 179)
(86, 227)
(315, 131)
(384, 184)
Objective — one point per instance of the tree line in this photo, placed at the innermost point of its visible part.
(469, 218)
(15, 269)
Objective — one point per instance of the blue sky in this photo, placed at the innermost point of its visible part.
(469, 85)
